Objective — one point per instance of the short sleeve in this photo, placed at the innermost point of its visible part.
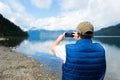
(60, 52)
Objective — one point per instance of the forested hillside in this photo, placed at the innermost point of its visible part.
(109, 31)
(9, 29)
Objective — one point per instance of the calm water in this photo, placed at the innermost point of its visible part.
(40, 50)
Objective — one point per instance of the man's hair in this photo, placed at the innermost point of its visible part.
(87, 35)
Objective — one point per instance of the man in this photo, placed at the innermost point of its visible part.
(83, 60)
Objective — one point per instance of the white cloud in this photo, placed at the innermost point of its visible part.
(16, 6)
(105, 13)
(73, 4)
(42, 3)
(101, 13)
(4, 9)
(16, 14)
(24, 21)
(64, 22)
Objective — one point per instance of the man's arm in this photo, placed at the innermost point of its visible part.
(56, 42)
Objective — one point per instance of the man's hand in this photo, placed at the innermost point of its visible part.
(56, 42)
(61, 37)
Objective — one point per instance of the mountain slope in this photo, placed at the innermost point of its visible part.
(109, 31)
(9, 29)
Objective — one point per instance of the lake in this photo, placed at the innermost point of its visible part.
(40, 51)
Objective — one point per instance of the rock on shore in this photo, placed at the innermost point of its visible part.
(15, 66)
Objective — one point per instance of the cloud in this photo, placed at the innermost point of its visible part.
(105, 13)
(67, 5)
(17, 14)
(5, 9)
(101, 13)
(42, 3)
(16, 6)
(64, 22)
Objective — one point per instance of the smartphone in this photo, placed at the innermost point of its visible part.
(69, 34)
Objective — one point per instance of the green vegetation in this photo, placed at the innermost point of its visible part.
(109, 31)
(9, 29)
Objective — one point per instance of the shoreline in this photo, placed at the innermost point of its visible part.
(16, 66)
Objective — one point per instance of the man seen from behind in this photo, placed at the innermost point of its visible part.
(83, 60)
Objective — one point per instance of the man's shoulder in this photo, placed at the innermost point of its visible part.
(84, 46)
(98, 46)
(73, 47)
(70, 45)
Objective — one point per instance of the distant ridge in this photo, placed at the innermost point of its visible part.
(45, 34)
(9, 29)
(109, 31)
(50, 35)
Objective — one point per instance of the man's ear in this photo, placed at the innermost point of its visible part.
(79, 37)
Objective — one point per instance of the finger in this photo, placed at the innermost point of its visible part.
(64, 33)
(73, 33)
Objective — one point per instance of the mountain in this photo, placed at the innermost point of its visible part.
(109, 31)
(9, 29)
(42, 35)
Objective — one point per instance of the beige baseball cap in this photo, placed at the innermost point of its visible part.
(84, 27)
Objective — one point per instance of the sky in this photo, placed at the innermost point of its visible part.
(60, 14)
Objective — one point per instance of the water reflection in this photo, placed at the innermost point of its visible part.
(39, 50)
(113, 62)
(112, 41)
(12, 42)
(53, 63)
(112, 48)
